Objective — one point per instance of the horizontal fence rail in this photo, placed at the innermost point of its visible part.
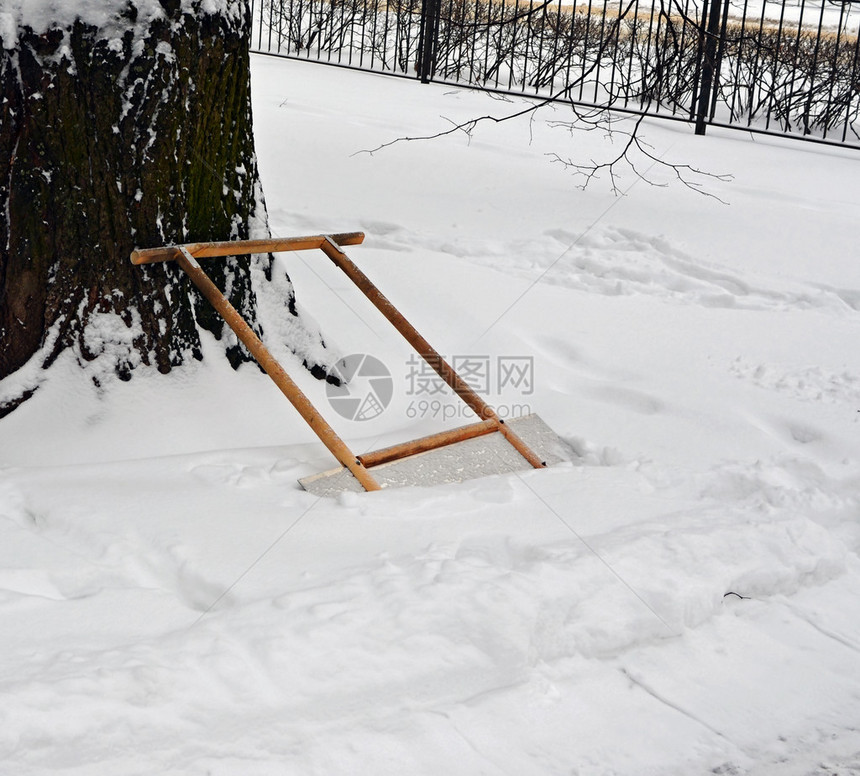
(789, 68)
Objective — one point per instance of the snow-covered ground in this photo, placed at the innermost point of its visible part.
(682, 598)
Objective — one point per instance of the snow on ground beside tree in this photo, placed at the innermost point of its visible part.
(681, 598)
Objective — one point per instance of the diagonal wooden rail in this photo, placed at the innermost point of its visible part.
(332, 245)
(483, 410)
(250, 340)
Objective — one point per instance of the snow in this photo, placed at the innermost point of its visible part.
(105, 15)
(682, 598)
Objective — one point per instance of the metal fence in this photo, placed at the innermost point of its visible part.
(776, 67)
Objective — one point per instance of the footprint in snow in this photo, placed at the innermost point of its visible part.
(620, 262)
(805, 383)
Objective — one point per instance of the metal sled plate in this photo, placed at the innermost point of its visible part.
(469, 459)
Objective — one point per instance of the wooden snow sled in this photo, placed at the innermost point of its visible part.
(489, 446)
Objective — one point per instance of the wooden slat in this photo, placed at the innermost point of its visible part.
(242, 247)
(431, 442)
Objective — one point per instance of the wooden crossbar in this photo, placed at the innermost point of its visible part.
(332, 245)
(242, 247)
(432, 442)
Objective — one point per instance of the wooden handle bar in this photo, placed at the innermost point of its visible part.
(242, 247)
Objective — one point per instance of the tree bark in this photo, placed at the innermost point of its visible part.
(111, 141)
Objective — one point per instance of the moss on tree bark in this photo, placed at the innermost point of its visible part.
(110, 143)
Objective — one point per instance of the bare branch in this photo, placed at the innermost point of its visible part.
(635, 155)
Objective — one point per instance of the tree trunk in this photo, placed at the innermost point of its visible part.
(132, 134)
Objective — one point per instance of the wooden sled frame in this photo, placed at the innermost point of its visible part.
(331, 245)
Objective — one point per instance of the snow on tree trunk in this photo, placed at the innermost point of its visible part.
(126, 124)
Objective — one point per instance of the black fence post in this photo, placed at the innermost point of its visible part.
(713, 50)
(430, 10)
(718, 65)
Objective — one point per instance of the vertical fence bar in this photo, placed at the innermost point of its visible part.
(554, 66)
(475, 73)
(539, 76)
(371, 7)
(681, 70)
(636, 34)
(513, 49)
(718, 64)
(456, 18)
(443, 46)
(807, 128)
(402, 17)
(528, 22)
(834, 69)
(776, 66)
(363, 37)
(711, 10)
(427, 39)
(755, 79)
(485, 72)
(852, 76)
(328, 13)
(271, 11)
(492, 46)
(570, 44)
(664, 85)
(633, 48)
(739, 59)
(587, 36)
(316, 37)
(260, 28)
(452, 61)
(468, 33)
(600, 49)
(316, 34)
(700, 49)
(645, 89)
(347, 28)
(412, 36)
(338, 38)
(424, 42)
(616, 47)
(793, 77)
